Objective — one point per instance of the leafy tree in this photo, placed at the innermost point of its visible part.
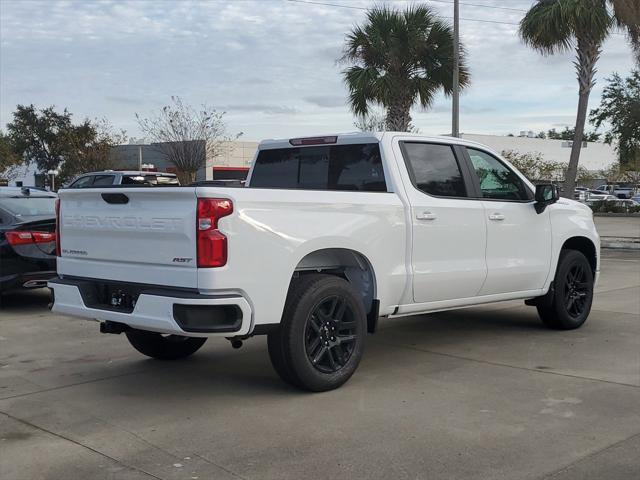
(620, 108)
(399, 58)
(89, 148)
(38, 135)
(527, 163)
(187, 137)
(550, 170)
(556, 26)
(569, 134)
(9, 159)
(627, 15)
(612, 173)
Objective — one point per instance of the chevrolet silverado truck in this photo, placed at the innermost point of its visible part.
(328, 235)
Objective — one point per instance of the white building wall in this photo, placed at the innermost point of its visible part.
(595, 156)
(235, 154)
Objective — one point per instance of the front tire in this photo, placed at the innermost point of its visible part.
(321, 337)
(163, 347)
(571, 302)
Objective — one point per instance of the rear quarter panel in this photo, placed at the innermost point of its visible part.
(271, 231)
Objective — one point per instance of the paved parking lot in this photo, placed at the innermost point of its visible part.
(478, 393)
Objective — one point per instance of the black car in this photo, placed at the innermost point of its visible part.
(27, 237)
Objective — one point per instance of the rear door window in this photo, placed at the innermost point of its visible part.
(355, 167)
(434, 169)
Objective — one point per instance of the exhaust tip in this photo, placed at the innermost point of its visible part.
(35, 284)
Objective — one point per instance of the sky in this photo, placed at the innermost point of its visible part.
(270, 64)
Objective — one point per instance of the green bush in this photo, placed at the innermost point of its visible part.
(611, 207)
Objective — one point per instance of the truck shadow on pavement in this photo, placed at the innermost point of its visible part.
(16, 301)
(218, 370)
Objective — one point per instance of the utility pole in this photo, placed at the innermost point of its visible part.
(139, 158)
(455, 121)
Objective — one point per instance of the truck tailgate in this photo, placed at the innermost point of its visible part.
(142, 235)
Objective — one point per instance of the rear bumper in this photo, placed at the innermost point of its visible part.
(162, 310)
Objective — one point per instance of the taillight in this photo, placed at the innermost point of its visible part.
(27, 238)
(212, 244)
(57, 227)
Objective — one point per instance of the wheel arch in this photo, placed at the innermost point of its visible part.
(584, 245)
(347, 263)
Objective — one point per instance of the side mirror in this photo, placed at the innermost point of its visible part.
(546, 194)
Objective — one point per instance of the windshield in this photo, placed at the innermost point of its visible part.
(29, 206)
(157, 180)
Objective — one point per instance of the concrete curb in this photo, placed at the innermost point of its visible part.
(623, 243)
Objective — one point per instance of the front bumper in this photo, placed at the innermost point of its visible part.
(161, 310)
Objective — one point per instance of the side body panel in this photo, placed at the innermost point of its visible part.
(518, 247)
(271, 231)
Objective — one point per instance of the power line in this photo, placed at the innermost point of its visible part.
(499, 22)
(327, 4)
(479, 5)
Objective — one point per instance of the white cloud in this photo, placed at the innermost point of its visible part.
(259, 59)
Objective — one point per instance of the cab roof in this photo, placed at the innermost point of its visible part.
(357, 137)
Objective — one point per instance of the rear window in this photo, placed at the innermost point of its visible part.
(355, 167)
(29, 206)
(155, 180)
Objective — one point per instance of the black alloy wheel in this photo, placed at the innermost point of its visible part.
(330, 334)
(576, 290)
(320, 340)
(569, 305)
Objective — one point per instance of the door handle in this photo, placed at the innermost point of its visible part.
(496, 216)
(426, 216)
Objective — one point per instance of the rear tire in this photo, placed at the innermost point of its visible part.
(163, 347)
(571, 302)
(321, 337)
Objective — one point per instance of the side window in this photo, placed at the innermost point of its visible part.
(102, 180)
(82, 182)
(434, 169)
(496, 179)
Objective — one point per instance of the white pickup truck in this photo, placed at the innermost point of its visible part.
(329, 234)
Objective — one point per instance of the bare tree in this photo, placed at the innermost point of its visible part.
(187, 137)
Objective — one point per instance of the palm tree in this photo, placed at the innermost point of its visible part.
(555, 26)
(627, 14)
(399, 58)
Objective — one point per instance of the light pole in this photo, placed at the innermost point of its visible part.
(455, 120)
(53, 174)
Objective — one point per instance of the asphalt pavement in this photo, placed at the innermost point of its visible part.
(478, 393)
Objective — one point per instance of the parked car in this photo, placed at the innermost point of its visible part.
(580, 193)
(27, 237)
(616, 191)
(598, 195)
(329, 234)
(129, 178)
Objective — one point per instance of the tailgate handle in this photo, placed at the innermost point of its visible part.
(115, 198)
